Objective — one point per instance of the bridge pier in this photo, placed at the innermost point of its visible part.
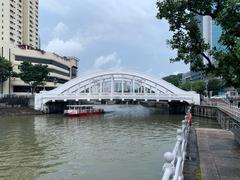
(173, 107)
(176, 107)
(55, 107)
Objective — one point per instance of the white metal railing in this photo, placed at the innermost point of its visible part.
(174, 161)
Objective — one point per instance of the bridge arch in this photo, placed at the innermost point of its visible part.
(115, 85)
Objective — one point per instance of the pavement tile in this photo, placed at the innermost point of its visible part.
(219, 154)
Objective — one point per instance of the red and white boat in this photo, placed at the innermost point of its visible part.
(82, 110)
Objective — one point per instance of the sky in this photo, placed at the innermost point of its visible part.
(108, 34)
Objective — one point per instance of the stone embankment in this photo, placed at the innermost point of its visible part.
(11, 105)
(13, 111)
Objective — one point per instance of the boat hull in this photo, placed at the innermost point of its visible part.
(83, 114)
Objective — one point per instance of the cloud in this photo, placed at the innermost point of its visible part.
(55, 6)
(98, 31)
(65, 43)
(60, 29)
(149, 71)
(110, 61)
(176, 72)
(67, 48)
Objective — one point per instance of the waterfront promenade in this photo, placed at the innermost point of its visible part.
(212, 154)
(219, 154)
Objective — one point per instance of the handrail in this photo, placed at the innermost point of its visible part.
(174, 161)
(232, 110)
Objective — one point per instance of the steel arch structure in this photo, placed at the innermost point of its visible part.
(113, 85)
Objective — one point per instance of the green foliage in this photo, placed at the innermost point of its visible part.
(215, 86)
(174, 79)
(187, 86)
(198, 86)
(5, 69)
(34, 75)
(187, 39)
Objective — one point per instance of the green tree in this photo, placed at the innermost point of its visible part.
(174, 79)
(187, 86)
(5, 70)
(34, 75)
(199, 86)
(215, 86)
(187, 39)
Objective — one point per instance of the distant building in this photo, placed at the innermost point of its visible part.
(62, 69)
(216, 34)
(19, 41)
(192, 76)
(211, 33)
(19, 22)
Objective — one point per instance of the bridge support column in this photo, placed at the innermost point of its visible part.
(177, 107)
(101, 87)
(122, 87)
(112, 85)
(133, 86)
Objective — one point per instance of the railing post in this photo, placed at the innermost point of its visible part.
(174, 162)
(168, 167)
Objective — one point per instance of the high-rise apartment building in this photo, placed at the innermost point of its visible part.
(19, 22)
(19, 42)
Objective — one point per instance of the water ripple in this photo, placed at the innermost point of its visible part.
(129, 142)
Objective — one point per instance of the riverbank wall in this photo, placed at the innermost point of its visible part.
(225, 120)
(16, 111)
(17, 105)
(167, 107)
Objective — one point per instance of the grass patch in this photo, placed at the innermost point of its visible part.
(199, 173)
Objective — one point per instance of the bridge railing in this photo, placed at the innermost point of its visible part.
(120, 95)
(174, 161)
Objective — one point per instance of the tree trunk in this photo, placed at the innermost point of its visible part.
(33, 89)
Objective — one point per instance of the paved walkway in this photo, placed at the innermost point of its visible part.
(191, 168)
(219, 154)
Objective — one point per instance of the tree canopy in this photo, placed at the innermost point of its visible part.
(174, 79)
(215, 86)
(191, 47)
(5, 69)
(34, 75)
(198, 86)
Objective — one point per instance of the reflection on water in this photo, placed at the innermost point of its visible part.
(127, 143)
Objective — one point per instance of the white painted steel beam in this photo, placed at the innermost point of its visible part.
(98, 83)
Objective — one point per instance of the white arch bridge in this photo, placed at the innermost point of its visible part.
(114, 85)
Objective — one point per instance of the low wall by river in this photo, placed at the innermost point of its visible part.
(172, 107)
(225, 120)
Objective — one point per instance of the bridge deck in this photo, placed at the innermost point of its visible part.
(219, 154)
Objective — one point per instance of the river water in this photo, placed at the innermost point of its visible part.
(126, 144)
